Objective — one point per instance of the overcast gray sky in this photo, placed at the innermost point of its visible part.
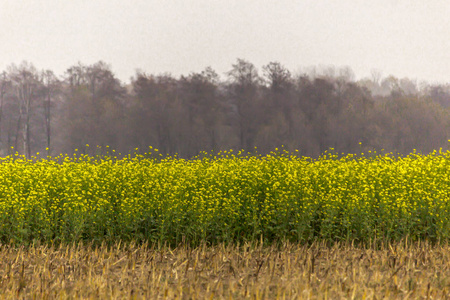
(406, 38)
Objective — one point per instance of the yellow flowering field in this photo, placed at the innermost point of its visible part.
(224, 197)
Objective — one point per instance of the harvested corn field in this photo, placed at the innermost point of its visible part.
(318, 271)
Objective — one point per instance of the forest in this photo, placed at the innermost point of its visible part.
(89, 110)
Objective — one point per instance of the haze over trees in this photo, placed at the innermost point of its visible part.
(267, 109)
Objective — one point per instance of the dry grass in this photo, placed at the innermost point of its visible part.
(398, 271)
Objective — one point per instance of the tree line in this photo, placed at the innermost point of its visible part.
(272, 108)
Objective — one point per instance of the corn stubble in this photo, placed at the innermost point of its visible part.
(342, 271)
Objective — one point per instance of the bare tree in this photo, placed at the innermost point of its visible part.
(279, 106)
(201, 106)
(75, 75)
(25, 81)
(277, 76)
(4, 82)
(51, 85)
(93, 107)
(243, 91)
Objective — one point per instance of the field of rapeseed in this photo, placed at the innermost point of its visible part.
(224, 198)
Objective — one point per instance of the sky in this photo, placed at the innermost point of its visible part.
(404, 38)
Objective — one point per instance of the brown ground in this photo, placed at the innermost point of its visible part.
(400, 271)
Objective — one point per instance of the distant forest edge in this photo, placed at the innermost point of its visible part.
(88, 105)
